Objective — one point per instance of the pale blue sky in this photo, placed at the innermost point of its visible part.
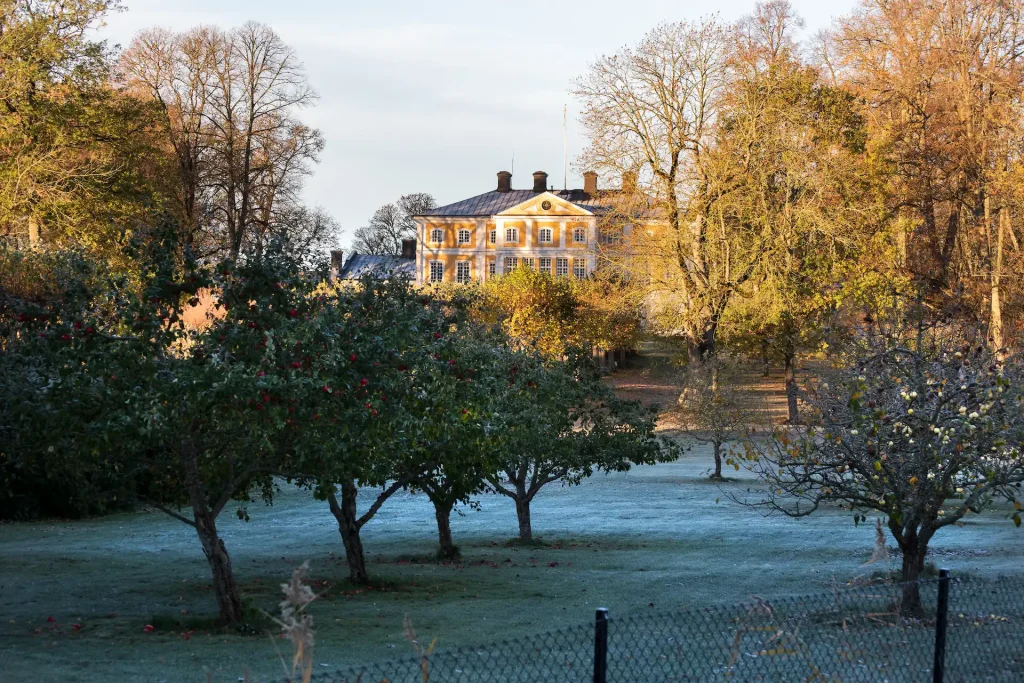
(434, 96)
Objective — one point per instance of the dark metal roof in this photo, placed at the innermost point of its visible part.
(359, 265)
(494, 202)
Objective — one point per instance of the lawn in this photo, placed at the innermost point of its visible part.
(653, 536)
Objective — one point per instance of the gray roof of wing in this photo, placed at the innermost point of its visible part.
(359, 265)
(494, 202)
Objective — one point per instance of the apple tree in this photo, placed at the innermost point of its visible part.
(922, 432)
(558, 422)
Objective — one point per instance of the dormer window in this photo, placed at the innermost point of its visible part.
(436, 236)
(464, 236)
(512, 235)
(545, 236)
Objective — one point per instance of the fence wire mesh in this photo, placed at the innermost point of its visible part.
(882, 632)
(985, 633)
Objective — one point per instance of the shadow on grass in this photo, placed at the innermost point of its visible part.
(255, 622)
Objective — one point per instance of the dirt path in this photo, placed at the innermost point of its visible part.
(652, 376)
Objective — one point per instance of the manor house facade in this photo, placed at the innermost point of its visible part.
(554, 231)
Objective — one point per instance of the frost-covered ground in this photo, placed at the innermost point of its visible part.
(653, 536)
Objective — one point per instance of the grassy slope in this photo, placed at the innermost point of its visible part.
(651, 536)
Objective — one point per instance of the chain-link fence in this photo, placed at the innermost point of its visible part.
(886, 632)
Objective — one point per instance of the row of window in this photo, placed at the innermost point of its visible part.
(543, 264)
(544, 236)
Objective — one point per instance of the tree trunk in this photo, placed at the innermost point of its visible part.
(446, 548)
(523, 514)
(205, 520)
(914, 550)
(33, 231)
(224, 587)
(718, 461)
(702, 348)
(348, 526)
(794, 417)
(766, 368)
(996, 326)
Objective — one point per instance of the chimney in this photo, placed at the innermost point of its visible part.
(590, 182)
(409, 248)
(540, 181)
(337, 261)
(629, 182)
(504, 181)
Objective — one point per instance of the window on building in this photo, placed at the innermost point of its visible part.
(512, 235)
(437, 236)
(530, 263)
(436, 271)
(462, 271)
(545, 236)
(511, 263)
(579, 268)
(463, 236)
(545, 265)
(561, 266)
(611, 236)
(579, 235)
(493, 237)
(492, 268)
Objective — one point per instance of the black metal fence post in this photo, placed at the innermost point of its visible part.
(601, 645)
(941, 614)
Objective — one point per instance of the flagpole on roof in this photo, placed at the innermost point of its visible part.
(565, 152)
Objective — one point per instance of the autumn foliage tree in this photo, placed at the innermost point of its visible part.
(556, 314)
(80, 163)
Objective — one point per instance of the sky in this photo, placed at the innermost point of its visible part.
(438, 95)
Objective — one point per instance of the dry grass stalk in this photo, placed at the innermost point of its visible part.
(297, 626)
(423, 652)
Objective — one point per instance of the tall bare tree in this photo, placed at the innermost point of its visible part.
(650, 111)
(736, 145)
(391, 224)
(231, 99)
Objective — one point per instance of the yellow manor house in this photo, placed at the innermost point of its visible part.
(554, 231)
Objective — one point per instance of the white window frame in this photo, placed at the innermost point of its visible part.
(579, 268)
(493, 237)
(529, 262)
(512, 235)
(465, 234)
(561, 266)
(511, 263)
(579, 235)
(436, 236)
(492, 268)
(610, 236)
(544, 264)
(463, 272)
(438, 268)
(545, 235)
